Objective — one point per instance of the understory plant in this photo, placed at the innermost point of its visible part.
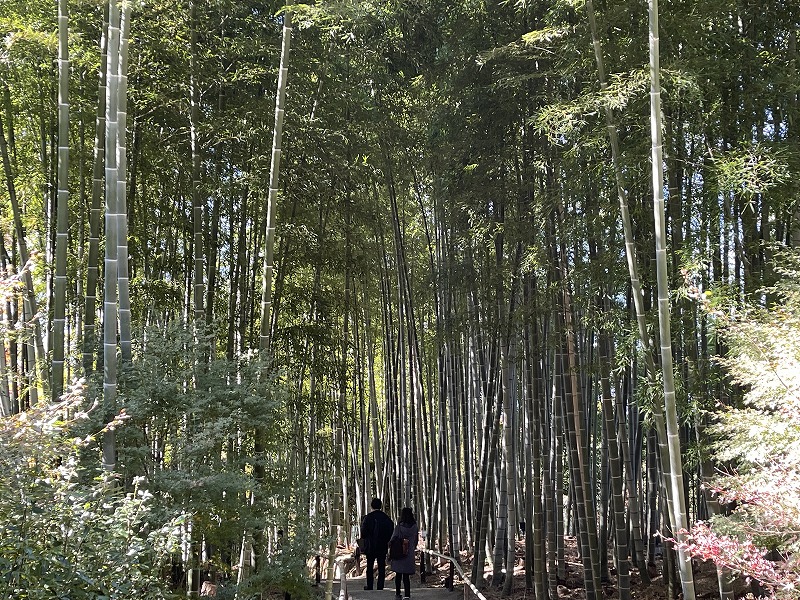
(757, 446)
(68, 535)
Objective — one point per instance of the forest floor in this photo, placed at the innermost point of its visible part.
(705, 574)
(572, 588)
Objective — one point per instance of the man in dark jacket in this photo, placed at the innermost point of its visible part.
(376, 529)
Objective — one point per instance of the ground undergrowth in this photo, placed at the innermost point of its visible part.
(571, 588)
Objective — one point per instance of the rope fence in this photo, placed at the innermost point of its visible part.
(454, 566)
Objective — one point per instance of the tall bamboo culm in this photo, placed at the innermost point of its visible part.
(274, 180)
(96, 208)
(123, 279)
(677, 500)
(112, 233)
(62, 206)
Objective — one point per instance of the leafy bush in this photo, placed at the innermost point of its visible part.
(63, 537)
(210, 436)
(759, 444)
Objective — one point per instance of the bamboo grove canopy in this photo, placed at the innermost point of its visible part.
(499, 262)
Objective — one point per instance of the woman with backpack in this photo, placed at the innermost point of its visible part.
(402, 546)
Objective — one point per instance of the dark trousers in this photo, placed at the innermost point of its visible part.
(381, 558)
(406, 583)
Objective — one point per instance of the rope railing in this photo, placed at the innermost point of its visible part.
(454, 566)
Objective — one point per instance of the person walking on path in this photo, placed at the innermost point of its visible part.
(376, 529)
(404, 567)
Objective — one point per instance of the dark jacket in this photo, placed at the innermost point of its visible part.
(377, 527)
(411, 533)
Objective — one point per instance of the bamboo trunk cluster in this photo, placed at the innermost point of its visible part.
(440, 288)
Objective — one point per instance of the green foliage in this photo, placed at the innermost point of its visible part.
(752, 169)
(146, 294)
(186, 454)
(566, 120)
(285, 571)
(759, 442)
(62, 536)
(765, 350)
(648, 393)
(190, 432)
(449, 104)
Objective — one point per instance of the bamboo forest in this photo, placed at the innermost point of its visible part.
(528, 268)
